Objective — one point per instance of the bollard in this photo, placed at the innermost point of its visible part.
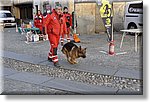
(111, 48)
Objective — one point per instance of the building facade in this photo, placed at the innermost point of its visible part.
(6, 4)
(87, 12)
(23, 9)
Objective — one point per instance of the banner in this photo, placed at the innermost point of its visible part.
(107, 15)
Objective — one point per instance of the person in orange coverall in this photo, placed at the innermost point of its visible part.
(45, 14)
(68, 20)
(54, 24)
(38, 20)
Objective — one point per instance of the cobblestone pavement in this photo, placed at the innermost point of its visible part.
(96, 60)
(15, 87)
(120, 71)
(27, 81)
(79, 76)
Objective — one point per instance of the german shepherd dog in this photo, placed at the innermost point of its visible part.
(73, 52)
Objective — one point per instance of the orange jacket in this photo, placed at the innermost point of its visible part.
(55, 24)
(63, 25)
(38, 20)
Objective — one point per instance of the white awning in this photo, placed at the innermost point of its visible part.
(6, 2)
(22, 1)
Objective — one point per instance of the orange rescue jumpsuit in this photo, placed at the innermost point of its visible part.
(38, 21)
(68, 20)
(54, 25)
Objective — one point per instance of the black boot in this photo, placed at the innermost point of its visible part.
(57, 65)
(50, 59)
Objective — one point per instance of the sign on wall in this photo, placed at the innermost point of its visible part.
(107, 15)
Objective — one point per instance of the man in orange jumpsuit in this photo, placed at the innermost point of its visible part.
(38, 20)
(54, 24)
(45, 14)
(68, 18)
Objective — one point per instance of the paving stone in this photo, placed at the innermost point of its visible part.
(46, 62)
(81, 67)
(1, 84)
(1, 71)
(22, 57)
(29, 77)
(95, 62)
(15, 87)
(9, 71)
(74, 75)
(79, 87)
(89, 66)
(129, 73)
(129, 92)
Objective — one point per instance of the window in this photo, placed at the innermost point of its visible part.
(2, 15)
(136, 8)
(8, 15)
(5, 15)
